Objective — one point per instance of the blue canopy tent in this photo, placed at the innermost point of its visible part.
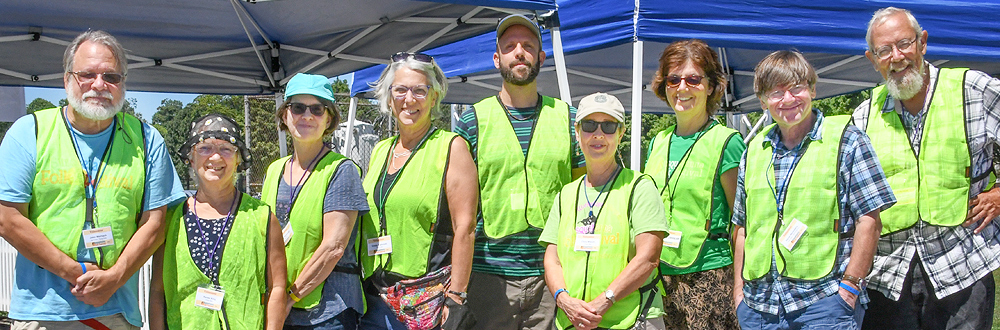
(831, 34)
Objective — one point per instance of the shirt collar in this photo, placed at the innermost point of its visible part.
(774, 136)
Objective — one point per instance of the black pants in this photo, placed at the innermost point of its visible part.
(918, 308)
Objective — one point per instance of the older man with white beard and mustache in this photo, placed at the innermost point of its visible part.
(933, 130)
(83, 196)
(525, 149)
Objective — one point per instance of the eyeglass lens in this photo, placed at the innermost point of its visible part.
(779, 93)
(419, 91)
(89, 77)
(300, 108)
(402, 56)
(608, 127)
(675, 80)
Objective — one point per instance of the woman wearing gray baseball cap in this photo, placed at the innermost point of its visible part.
(604, 233)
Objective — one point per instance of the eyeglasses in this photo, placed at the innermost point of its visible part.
(778, 93)
(300, 108)
(85, 77)
(608, 127)
(225, 150)
(402, 56)
(419, 91)
(674, 80)
(885, 52)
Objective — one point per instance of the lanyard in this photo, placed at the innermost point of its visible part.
(294, 193)
(384, 198)
(683, 163)
(91, 182)
(591, 219)
(204, 236)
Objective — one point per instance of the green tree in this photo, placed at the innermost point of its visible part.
(842, 104)
(651, 125)
(39, 104)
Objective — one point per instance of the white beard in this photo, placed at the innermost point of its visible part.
(95, 112)
(909, 85)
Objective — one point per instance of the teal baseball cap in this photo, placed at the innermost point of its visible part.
(312, 84)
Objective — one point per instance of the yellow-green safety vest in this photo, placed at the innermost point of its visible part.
(517, 191)
(58, 204)
(687, 193)
(933, 187)
(242, 272)
(588, 274)
(812, 190)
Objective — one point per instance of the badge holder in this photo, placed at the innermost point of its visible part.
(209, 296)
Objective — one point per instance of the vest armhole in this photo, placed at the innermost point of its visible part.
(35, 118)
(840, 161)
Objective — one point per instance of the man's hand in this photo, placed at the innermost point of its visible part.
(737, 297)
(984, 207)
(848, 297)
(96, 286)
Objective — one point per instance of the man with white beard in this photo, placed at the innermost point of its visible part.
(933, 130)
(83, 197)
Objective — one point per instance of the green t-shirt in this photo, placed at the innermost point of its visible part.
(715, 253)
(647, 216)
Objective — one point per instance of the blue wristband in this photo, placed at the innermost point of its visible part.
(83, 267)
(849, 289)
(555, 296)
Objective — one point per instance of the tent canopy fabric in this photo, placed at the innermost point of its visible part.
(597, 37)
(236, 47)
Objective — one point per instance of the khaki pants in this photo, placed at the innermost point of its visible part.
(113, 322)
(528, 303)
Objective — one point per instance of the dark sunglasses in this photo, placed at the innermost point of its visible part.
(402, 56)
(608, 127)
(675, 80)
(89, 77)
(299, 109)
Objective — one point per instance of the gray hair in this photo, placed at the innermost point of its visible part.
(99, 37)
(883, 14)
(434, 74)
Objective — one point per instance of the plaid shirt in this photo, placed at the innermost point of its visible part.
(863, 189)
(953, 257)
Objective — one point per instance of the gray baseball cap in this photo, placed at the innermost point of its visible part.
(518, 19)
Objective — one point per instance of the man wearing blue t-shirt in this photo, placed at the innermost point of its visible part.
(82, 198)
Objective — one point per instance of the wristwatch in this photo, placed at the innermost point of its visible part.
(859, 282)
(610, 295)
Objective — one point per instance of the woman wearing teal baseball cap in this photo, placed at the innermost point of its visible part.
(316, 194)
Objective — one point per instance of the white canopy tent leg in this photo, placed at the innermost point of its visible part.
(282, 148)
(560, 58)
(349, 137)
(636, 104)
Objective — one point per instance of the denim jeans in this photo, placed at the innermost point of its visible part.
(379, 315)
(828, 313)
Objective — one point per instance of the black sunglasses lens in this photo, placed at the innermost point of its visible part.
(402, 56)
(297, 108)
(317, 109)
(609, 127)
(588, 126)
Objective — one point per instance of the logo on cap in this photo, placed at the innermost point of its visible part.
(600, 99)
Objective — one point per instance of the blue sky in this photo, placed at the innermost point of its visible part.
(146, 101)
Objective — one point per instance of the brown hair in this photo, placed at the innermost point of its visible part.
(701, 55)
(331, 109)
(782, 68)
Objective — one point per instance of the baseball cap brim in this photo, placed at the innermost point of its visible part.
(516, 19)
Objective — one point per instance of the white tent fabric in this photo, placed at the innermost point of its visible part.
(236, 47)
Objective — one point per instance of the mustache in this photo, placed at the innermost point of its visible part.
(93, 93)
(515, 63)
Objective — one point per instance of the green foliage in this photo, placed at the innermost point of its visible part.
(174, 122)
(841, 104)
(651, 125)
(39, 104)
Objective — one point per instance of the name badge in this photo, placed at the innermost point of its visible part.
(209, 297)
(673, 239)
(587, 242)
(286, 233)
(98, 237)
(379, 245)
(792, 234)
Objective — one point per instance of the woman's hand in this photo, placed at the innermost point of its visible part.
(582, 314)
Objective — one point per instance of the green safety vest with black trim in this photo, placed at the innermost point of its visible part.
(689, 192)
(813, 200)
(306, 218)
(242, 272)
(517, 191)
(588, 274)
(411, 208)
(58, 204)
(933, 187)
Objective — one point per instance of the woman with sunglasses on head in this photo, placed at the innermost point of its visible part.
(604, 233)
(222, 265)
(317, 196)
(423, 190)
(694, 164)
